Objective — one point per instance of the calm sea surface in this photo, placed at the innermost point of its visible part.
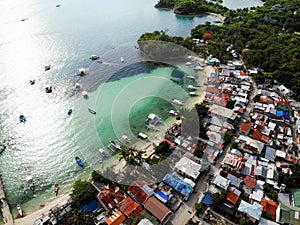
(65, 37)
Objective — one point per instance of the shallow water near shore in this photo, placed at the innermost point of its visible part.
(65, 37)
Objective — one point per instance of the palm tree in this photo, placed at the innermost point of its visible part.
(132, 156)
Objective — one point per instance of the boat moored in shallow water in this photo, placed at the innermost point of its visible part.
(94, 57)
(92, 111)
(22, 118)
(79, 161)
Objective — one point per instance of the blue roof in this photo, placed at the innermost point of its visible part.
(178, 184)
(283, 114)
(208, 199)
(90, 207)
(161, 194)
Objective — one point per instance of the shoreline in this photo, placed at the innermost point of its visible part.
(154, 139)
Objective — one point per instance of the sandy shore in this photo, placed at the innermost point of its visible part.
(32, 217)
(216, 15)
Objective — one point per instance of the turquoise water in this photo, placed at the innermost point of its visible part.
(65, 37)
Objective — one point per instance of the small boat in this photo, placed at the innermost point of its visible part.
(82, 72)
(79, 161)
(84, 94)
(94, 57)
(122, 59)
(77, 85)
(24, 19)
(92, 111)
(58, 5)
(56, 188)
(70, 112)
(48, 88)
(192, 93)
(115, 145)
(20, 210)
(22, 118)
(32, 82)
(47, 67)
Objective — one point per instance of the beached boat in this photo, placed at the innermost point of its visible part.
(115, 145)
(20, 211)
(79, 161)
(92, 111)
(94, 57)
(22, 118)
(47, 67)
(70, 112)
(192, 93)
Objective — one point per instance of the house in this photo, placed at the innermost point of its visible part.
(129, 207)
(140, 191)
(177, 183)
(246, 128)
(250, 182)
(253, 211)
(221, 111)
(188, 168)
(109, 196)
(221, 182)
(289, 214)
(116, 218)
(145, 221)
(158, 210)
(234, 162)
(269, 207)
(233, 195)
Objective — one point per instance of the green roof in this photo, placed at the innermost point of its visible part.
(297, 197)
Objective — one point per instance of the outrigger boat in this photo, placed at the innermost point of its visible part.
(56, 188)
(79, 161)
(92, 111)
(20, 210)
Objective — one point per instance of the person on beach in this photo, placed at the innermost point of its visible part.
(56, 188)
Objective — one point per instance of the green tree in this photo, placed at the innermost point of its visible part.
(132, 156)
(83, 192)
(228, 136)
(80, 218)
(199, 207)
(219, 198)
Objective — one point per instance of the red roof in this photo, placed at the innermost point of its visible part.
(266, 100)
(130, 207)
(245, 127)
(116, 219)
(256, 134)
(212, 90)
(135, 189)
(157, 209)
(232, 197)
(111, 195)
(250, 182)
(265, 138)
(270, 207)
(286, 104)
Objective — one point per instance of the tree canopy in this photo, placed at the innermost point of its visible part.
(83, 192)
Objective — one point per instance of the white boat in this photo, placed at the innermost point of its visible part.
(122, 59)
(82, 72)
(77, 86)
(191, 88)
(142, 136)
(192, 93)
(191, 77)
(20, 210)
(115, 145)
(84, 94)
(177, 102)
(30, 182)
(198, 68)
(94, 57)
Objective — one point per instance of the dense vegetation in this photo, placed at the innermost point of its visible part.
(191, 6)
(266, 37)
